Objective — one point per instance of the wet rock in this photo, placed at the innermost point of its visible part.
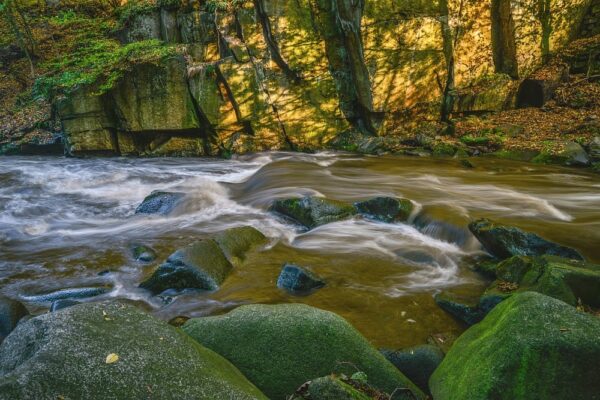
(11, 312)
(236, 242)
(529, 346)
(337, 388)
(201, 265)
(416, 363)
(442, 341)
(464, 308)
(386, 209)
(143, 253)
(279, 347)
(594, 148)
(60, 304)
(568, 280)
(573, 154)
(466, 164)
(298, 280)
(64, 294)
(313, 211)
(161, 203)
(64, 355)
(503, 241)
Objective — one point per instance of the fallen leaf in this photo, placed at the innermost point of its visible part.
(112, 358)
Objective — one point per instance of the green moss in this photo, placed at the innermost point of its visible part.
(529, 346)
(99, 62)
(133, 8)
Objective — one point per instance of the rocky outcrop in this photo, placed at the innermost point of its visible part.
(295, 74)
(112, 351)
(529, 346)
(279, 347)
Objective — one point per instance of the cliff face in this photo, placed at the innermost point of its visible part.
(276, 74)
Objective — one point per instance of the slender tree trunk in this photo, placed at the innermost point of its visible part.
(10, 17)
(448, 41)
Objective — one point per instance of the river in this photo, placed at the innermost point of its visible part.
(63, 222)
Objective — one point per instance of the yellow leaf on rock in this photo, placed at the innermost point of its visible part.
(112, 358)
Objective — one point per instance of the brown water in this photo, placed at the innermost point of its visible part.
(62, 221)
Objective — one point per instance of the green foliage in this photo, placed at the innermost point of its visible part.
(100, 62)
(223, 5)
(140, 7)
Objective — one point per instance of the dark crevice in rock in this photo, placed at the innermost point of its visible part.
(221, 80)
(207, 131)
(340, 26)
(271, 41)
(503, 39)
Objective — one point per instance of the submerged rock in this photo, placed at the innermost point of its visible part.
(279, 347)
(236, 242)
(503, 241)
(334, 387)
(416, 363)
(386, 209)
(162, 203)
(313, 211)
(530, 346)
(568, 280)
(464, 308)
(201, 265)
(112, 351)
(144, 253)
(11, 312)
(60, 304)
(64, 294)
(298, 280)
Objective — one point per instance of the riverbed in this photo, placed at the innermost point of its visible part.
(68, 223)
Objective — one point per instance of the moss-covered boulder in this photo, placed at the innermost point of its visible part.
(503, 241)
(11, 312)
(112, 351)
(200, 265)
(313, 211)
(159, 202)
(386, 209)
(529, 347)
(236, 242)
(571, 154)
(279, 347)
(571, 281)
(416, 363)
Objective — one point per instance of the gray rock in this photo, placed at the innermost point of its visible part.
(159, 203)
(63, 355)
(11, 312)
(201, 265)
(503, 241)
(298, 280)
(575, 155)
(594, 148)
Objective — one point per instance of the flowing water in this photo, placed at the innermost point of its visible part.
(65, 221)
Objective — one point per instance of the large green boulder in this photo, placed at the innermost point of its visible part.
(200, 265)
(503, 241)
(313, 211)
(279, 347)
(571, 281)
(112, 351)
(530, 346)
